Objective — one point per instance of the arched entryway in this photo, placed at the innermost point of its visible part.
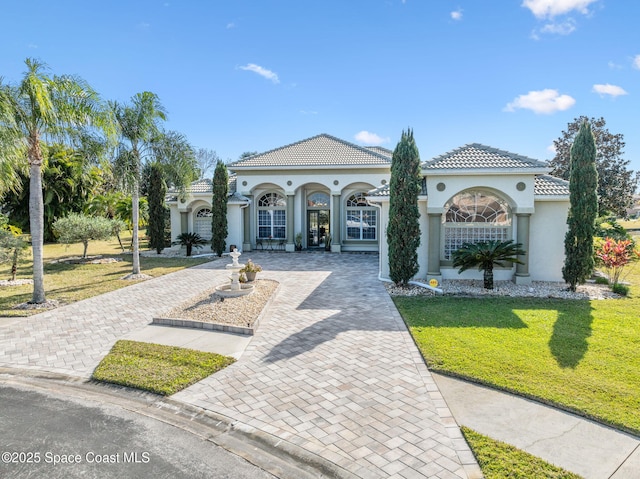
(318, 219)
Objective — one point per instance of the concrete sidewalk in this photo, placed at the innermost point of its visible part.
(574, 443)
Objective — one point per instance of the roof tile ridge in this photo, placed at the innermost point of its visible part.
(510, 154)
(448, 154)
(238, 162)
(353, 145)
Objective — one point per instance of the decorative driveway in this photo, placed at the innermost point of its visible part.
(332, 367)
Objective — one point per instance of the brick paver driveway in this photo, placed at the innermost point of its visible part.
(331, 369)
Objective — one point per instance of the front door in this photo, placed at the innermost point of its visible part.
(318, 228)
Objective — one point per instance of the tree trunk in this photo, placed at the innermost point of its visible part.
(120, 241)
(488, 277)
(14, 265)
(189, 249)
(36, 224)
(86, 246)
(135, 220)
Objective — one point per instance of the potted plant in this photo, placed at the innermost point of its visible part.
(250, 270)
(327, 242)
(190, 240)
(298, 241)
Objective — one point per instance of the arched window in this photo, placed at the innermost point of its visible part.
(472, 217)
(272, 216)
(318, 200)
(362, 219)
(202, 223)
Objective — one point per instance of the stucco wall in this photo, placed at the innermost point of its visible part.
(547, 230)
(504, 185)
(234, 226)
(299, 178)
(234, 220)
(175, 221)
(384, 245)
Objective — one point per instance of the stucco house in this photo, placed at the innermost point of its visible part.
(330, 190)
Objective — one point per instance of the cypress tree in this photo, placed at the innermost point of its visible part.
(157, 208)
(583, 196)
(403, 232)
(219, 227)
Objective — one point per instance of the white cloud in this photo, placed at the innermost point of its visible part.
(230, 25)
(32, 46)
(268, 74)
(636, 62)
(608, 89)
(370, 139)
(563, 28)
(457, 14)
(552, 8)
(542, 102)
(615, 66)
(308, 112)
(551, 148)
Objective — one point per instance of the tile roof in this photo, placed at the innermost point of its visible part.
(318, 151)
(547, 185)
(385, 189)
(201, 186)
(205, 185)
(476, 156)
(380, 150)
(379, 191)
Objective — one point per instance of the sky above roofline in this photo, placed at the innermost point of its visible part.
(257, 75)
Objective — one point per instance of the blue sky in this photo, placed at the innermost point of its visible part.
(255, 75)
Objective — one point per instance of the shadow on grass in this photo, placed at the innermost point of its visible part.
(572, 328)
(452, 312)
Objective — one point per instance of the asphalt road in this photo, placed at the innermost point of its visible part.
(43, 434)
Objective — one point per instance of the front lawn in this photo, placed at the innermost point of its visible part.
(581, 355)
(502, 461)
(69, 282)
(160, 369)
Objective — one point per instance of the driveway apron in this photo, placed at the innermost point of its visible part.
(332, 367)
(334, 370)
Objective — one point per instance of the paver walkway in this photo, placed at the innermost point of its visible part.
(332, 367)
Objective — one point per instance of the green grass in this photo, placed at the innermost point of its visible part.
(580, 355)
(160, 369)
(629, 223)
(502, 461)
(67, 283)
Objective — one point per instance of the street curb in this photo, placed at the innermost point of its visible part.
(275, 455)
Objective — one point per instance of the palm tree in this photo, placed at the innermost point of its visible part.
(139, 126)
(53, 109)
(190, 240)
(485, 255)
(10, 164)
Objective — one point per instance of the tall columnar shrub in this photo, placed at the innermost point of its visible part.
(583, 196)
(219, 227)
(157, 193)
(403, 232)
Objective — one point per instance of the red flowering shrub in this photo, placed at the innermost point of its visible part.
(615, 255)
